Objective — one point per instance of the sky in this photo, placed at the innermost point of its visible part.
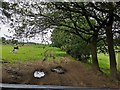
(4, 31)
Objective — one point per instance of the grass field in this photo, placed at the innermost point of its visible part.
(31, 53)
(104, 62)
(37, 52)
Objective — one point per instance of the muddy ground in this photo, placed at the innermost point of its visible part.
(77, 74)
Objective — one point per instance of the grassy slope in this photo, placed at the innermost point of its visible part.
(104, 62)
(30, 52)
(36, 52)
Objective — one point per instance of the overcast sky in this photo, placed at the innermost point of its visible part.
(4, 31)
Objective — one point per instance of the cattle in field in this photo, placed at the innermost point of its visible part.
(15, 49)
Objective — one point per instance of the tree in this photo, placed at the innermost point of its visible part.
(105, 15)
(72, 44)
(111, 10)
(61, 14)
(87, 20)
(3, 39)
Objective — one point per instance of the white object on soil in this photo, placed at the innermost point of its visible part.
(39, 74)
(58, 69)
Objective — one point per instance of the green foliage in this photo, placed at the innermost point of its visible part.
(9, 41)
(101, 47)
(72, 44)
(117, 40)
(84, 19)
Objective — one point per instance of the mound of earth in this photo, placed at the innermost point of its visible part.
(77, 74)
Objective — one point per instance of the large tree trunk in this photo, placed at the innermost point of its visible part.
(109, 34)
(94, 52)
(113, 68)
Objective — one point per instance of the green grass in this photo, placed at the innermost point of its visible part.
(36, 52)
(30, 52)
(105, 64)
(0, 53)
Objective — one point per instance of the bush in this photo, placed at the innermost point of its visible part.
(72, 44)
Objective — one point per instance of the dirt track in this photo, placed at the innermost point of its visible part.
(77, 74)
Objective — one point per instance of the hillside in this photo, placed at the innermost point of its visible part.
(77, 74)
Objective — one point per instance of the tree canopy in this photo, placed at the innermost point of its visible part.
(91, 21)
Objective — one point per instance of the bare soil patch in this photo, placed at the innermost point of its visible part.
(77, 74)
